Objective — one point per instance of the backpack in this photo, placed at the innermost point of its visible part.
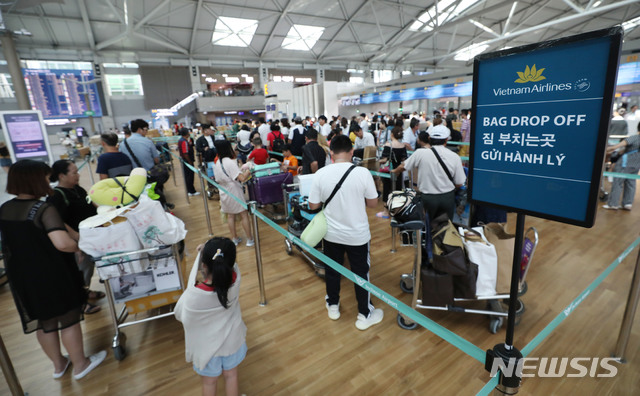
(278, 143)
(405, 206)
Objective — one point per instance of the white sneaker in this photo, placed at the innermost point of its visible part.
(334, 311)
(628, 207)
(194, 194)
(95, 360)
(610, 207)
(250, 242)
(375, 317)
(236, 241)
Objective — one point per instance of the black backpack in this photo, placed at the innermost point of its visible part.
(278, 143)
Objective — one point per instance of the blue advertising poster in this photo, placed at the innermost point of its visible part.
(539, 126)
(62, 93)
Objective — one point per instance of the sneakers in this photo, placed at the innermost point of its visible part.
(250, 242)
(375, 317)
(95, 360)
(627, 207)
(610, 207)
(194, 194)
(334, 311)
(237, 240)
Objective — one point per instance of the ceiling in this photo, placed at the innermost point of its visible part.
(361, 34)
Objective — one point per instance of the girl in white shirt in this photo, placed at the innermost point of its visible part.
(210, 314)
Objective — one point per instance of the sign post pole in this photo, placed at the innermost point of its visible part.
(538, 137)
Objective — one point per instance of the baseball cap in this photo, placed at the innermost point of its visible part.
(439, 132)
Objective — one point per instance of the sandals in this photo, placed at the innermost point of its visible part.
(95, 295)
(91, 309)
(382, 215)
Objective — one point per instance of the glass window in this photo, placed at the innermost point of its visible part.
(302, 37)
(6, 86)
(235, 32)
(124, 84)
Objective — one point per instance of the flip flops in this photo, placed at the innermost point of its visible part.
(91, 309)
(382, 215)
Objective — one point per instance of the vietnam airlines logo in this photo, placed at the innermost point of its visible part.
(530, 75)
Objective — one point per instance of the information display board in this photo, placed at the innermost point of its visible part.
(540, 116)
(61, 93)
(26, 135)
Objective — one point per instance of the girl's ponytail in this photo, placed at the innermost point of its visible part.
(219, 257)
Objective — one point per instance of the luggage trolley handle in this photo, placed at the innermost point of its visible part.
(122, 254)
(528, 249)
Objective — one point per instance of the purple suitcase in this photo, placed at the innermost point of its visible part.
(268, 189)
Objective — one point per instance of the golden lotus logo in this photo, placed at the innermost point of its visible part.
(530, 75)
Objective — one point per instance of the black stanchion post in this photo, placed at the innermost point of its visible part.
(90, 171)
(629, 314)
(205, 202)
(510, 355)
(253, 207)
(173, 171)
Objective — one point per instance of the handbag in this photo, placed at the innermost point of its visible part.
(405, 206)
(158, 173)
(317, 228)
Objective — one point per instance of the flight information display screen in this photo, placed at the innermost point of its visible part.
(62, 93)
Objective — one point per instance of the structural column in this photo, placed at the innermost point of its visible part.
(13, 62)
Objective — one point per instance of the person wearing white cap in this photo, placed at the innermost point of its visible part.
(440, 172)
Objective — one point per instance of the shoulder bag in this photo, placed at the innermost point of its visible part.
(317, 228)
(159, 173)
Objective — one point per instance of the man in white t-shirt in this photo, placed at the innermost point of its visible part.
(364, 124)
(437, 188)
(363, 139)
(323, 127)
(347, 227)
(410, 134)
(263, 129)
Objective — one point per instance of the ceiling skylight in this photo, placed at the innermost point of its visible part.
(302, 37)
(470, 52)
(446, 10)
(631, 23)
(235, 32)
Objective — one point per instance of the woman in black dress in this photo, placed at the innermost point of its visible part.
(71, 202)
(45, 281)
(393, 153)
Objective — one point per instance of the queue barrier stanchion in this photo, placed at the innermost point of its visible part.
(253, 210)
(173, 173)
(415, 316)
(565, 313)
(186, 192)
(629, 314)
(90, 171)
(205, 202)
(9, 372)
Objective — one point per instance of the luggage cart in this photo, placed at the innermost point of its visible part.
(411, 283)
(299, 216)
(265, 187)
(207, 169)
(132, 278)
